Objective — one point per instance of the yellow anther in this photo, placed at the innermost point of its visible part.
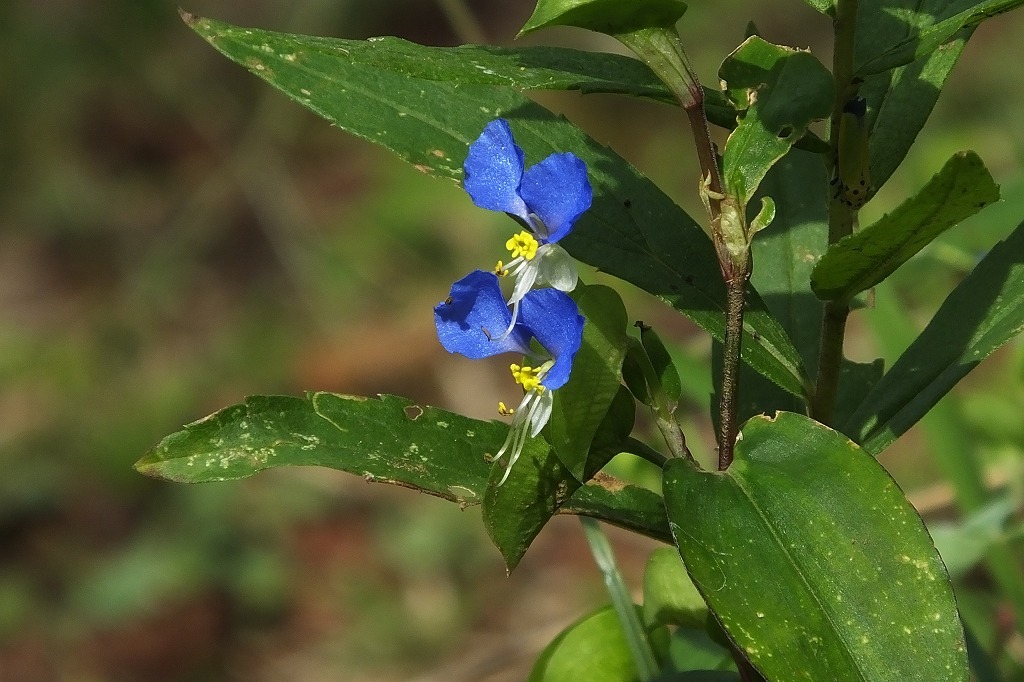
(522, 245)
(528, 377)
(505, 411)
(500, 270)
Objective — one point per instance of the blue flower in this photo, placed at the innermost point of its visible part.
(471, 321)
(546, 199)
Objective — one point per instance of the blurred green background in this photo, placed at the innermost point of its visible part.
(174, 235)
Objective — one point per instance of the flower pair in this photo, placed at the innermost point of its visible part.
(475, 320)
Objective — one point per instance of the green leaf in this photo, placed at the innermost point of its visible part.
(923, 42)
(984, 311)
(784, 254)
(781, 90)
(626, 506)
(661, 361)
(900, 101)
(863, 259)
(632, 231)
(813, 561)
(594, 648)
(605, 16)
(856, 381)
(539, 483)
(582, 404)
(670, 597)
(390, 440)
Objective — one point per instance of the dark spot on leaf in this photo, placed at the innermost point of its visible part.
(627, 203)
(413, 412)
(785, 132)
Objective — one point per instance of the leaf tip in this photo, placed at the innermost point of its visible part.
(190, 19)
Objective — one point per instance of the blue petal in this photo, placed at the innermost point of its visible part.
(494, 169)
(476, 304)
(555, 320)
(558, 191)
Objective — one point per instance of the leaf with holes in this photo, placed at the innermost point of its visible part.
(780, 91)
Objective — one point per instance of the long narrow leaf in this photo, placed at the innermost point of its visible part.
(985, 311)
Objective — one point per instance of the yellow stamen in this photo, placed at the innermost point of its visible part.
(528, 377)
(522, 245)
(500, 270)
(505, 411)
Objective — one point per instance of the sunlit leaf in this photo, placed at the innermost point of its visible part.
(813, 561)
(605, 16)
(782, 91)
(863, 259)
(984, 311)
(928, 39)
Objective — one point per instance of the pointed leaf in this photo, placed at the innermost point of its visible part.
(605, 16)
(782, 91)
(633, 230)
(984, 311)
(387, 440)
(922, 43)
(813, 561)
(582, 404)
(516, 511)
(900, 101)
(863, 259)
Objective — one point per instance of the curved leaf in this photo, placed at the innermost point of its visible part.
(540, 483)
(605, 16)
(583, 404)
(594, 648)
(813, 561)
(781, 90)
(984, 311)
(922, 43)
(863, 259)
(386, 440)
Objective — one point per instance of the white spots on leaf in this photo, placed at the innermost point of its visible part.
(288, 57)
(443, 425)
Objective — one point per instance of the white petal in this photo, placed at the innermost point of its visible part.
(541, 413)
(558, 268)
(525, 279)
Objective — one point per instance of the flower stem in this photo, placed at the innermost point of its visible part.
(841, 219)
(636, 636)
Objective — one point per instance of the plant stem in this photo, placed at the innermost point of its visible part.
(727, 404)
(662, 50)
(636, 636)
(841, 218)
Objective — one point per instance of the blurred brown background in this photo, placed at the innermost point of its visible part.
(175, 235)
